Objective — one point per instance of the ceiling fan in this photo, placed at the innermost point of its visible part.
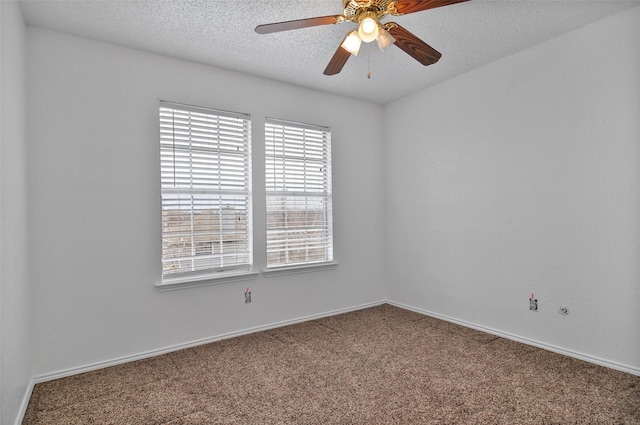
(368, 14)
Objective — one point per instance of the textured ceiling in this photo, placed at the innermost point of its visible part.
(221, 33)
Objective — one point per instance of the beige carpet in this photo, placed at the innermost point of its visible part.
(382, 365)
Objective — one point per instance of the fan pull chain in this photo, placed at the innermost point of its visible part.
(368, 63)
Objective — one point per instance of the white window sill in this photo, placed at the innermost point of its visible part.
(206, 280)
(303, 268)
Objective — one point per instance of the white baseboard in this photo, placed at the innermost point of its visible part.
(153, 353)
(544, 346)
(25, 403)
(158, 352)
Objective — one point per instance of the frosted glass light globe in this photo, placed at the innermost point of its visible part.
(368, 30)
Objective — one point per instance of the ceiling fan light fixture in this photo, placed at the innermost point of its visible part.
(369, 28)
(352, 43)
(367, 14)
(384, 39)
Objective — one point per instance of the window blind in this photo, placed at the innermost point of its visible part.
(298, 193)
(206, 190)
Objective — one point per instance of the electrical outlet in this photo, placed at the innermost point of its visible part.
(533, 304)
(247, 297)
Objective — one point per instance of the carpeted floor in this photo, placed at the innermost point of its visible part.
(382, 365)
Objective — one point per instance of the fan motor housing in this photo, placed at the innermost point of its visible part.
(354, 9)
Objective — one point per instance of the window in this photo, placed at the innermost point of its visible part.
(298, 192)
(206, 192)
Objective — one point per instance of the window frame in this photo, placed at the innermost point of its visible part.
(200, 187)
(275, 185)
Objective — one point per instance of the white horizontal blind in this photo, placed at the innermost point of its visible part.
(298, 189)
(206, 190)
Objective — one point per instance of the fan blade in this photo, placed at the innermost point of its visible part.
(410, 6)
(299, 23)
(412, 45)
(338, 60)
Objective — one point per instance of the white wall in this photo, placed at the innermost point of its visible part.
(521, 177)
(95, 239)
(15, 311)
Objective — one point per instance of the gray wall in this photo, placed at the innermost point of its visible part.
(15, 294)
(523, 177)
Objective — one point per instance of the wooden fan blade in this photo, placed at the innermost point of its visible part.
(413, 46)
(297, 24)
(410, 6)
(337, 62)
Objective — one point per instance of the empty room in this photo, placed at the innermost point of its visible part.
(319, 212)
